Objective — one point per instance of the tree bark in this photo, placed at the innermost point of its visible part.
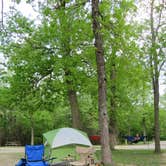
(155, 81)
(72, 97)
(144, 128)
(76, 121)
(156, 116)
(32, 135)
(106, 155)
(113, 128)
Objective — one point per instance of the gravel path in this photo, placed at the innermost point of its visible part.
(142, 146)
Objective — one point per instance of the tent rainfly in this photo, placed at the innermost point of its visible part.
(61, 142)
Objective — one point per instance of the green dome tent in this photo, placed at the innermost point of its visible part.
(62, 142)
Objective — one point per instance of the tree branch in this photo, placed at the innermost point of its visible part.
(76, 5)
(2, 28)
(152, 22)
(2, 13)
(3, 64)
(43, 78)
(159, 20)
(162, 64)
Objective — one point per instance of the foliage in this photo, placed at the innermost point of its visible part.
(162, 124)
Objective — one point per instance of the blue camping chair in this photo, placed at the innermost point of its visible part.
(34, 156)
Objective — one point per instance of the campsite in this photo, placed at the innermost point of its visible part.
(65, 145)
(82, 82)
(130, 155)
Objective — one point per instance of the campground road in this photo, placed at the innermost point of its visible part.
(11, 149)
(148, 146)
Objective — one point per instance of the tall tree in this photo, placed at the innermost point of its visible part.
(67, 52)
(157, 60)
(63, 19)
(61, 40)
(117, 46)
(102, 107)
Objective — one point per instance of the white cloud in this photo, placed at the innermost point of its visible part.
(23, 7)
(27, 10)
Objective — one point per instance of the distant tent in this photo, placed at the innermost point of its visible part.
(62, 142)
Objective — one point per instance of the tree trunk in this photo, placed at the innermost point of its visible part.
(106, 155)
(32, 135)
(113, 128)
(155, 80)
(72, 97)
(144, 128)
(71, 92)
(156, 116)
(76, 122)
(144, 115)
(32, 129)
(129, 131)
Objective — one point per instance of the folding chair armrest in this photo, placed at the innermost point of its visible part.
(50, 159)
(21, 162)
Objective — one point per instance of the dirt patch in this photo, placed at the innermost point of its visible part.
(9, 156)
(9, 159)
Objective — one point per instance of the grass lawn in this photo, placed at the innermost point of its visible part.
(139, 158)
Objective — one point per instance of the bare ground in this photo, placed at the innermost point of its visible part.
(9, 156)
(147, 146)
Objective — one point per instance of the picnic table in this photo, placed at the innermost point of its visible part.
(13, 143)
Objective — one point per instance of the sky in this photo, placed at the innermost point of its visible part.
(23, 7)
(28, 11)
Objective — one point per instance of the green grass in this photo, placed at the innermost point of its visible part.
(138, 158)
(120, 158)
